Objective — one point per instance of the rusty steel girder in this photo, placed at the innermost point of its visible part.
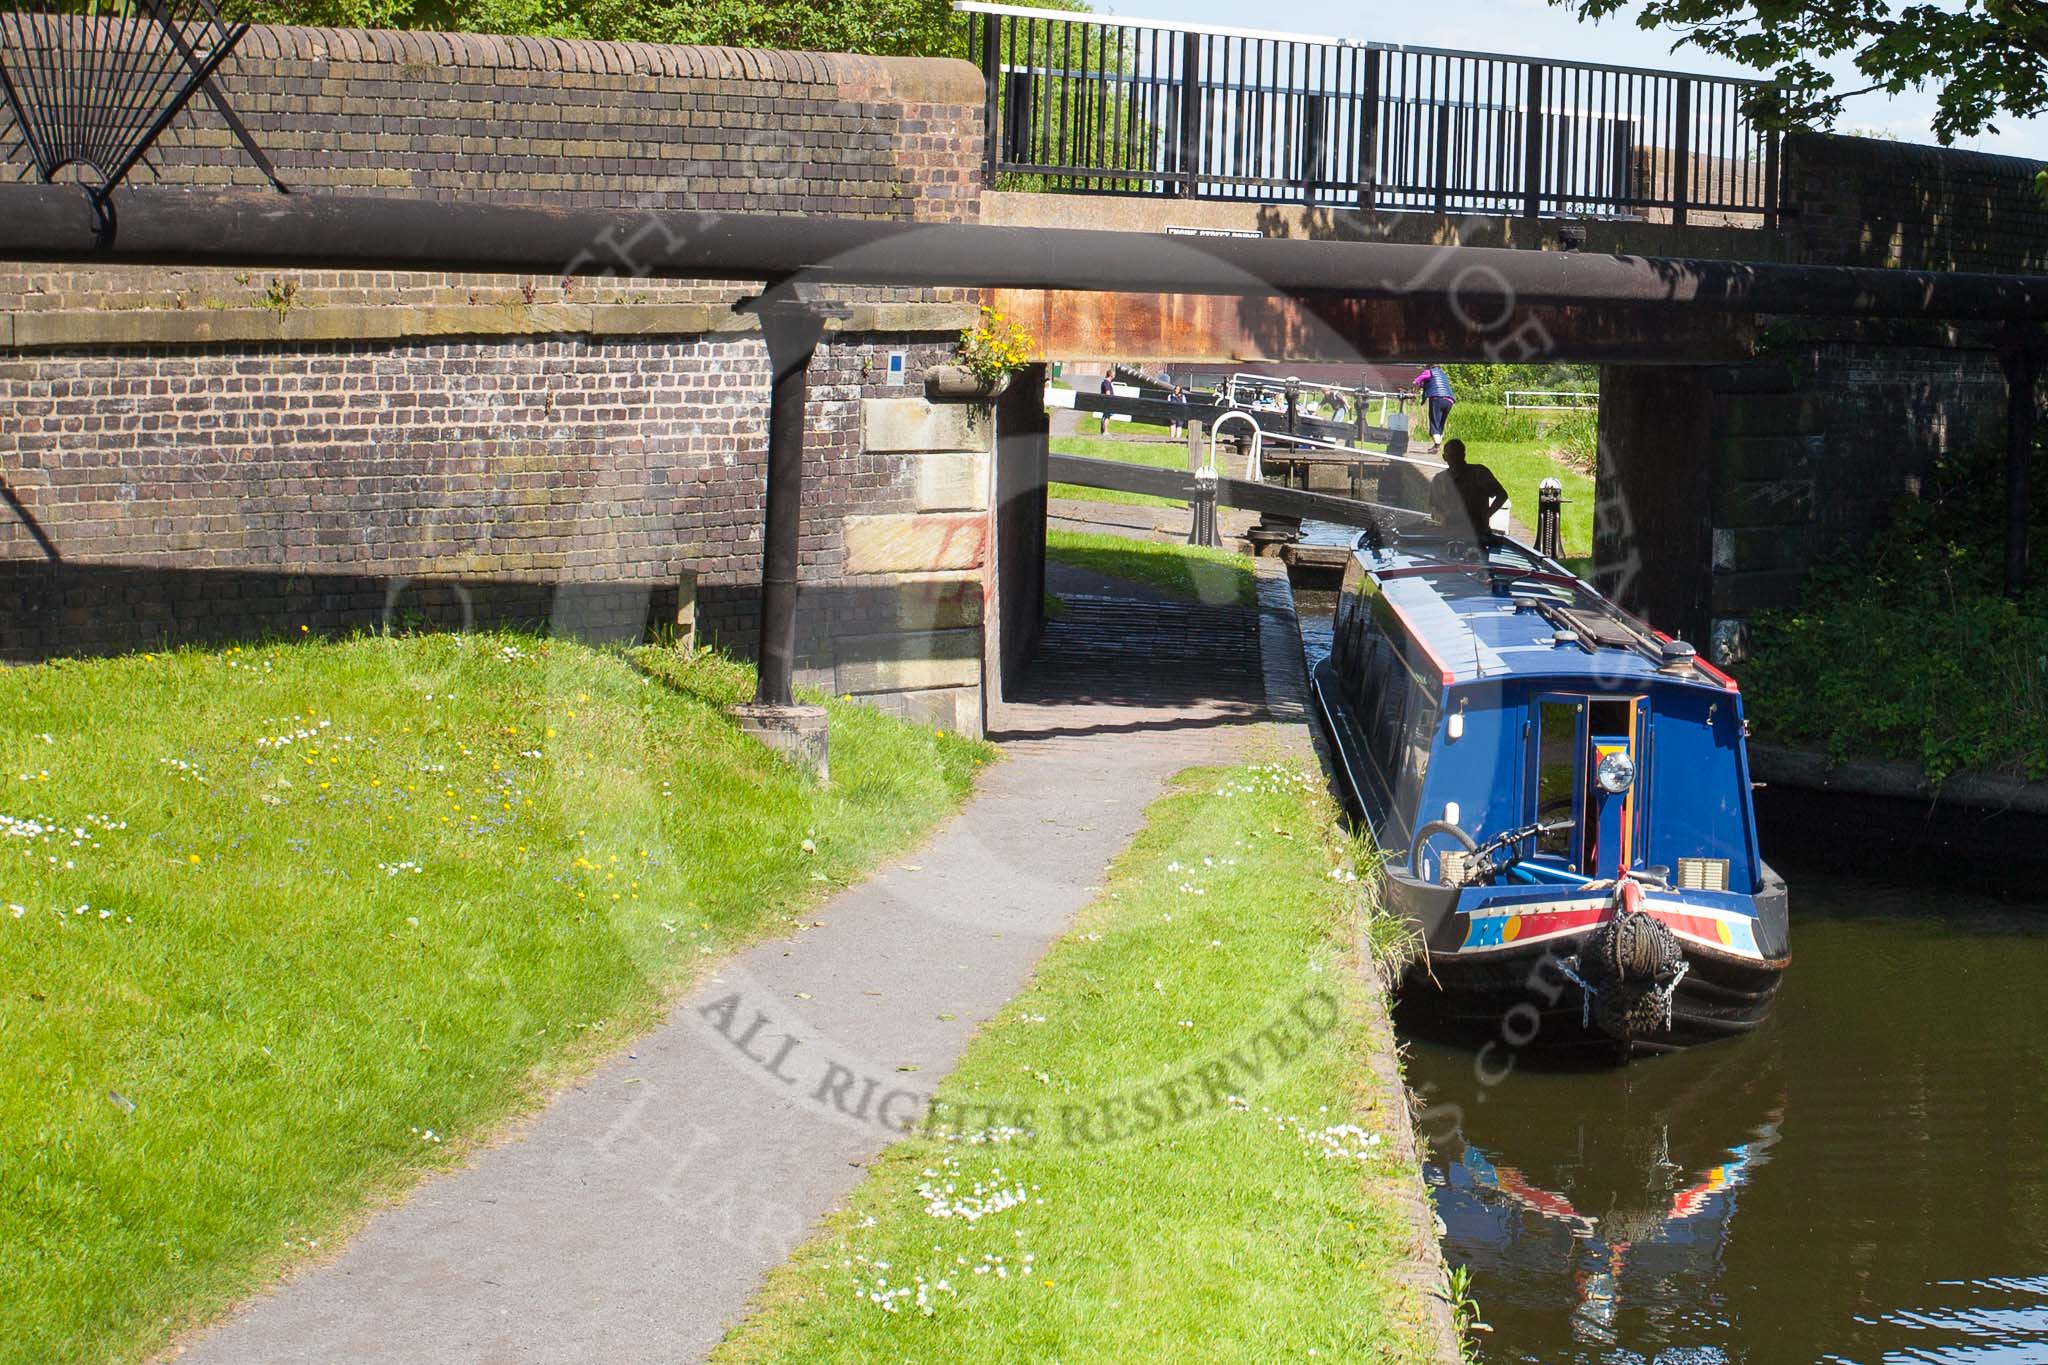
(1162, 328)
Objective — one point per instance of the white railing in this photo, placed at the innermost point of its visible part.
(1551, 400)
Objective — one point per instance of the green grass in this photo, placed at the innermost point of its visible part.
(1521, 466)
(295, 923)
(1128, 452)
(1261, 1224)
(1095, 424)
(1194, 572)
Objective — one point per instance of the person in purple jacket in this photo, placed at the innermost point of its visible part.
(1436, 390)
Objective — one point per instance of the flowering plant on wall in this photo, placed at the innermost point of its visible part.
(996, 348)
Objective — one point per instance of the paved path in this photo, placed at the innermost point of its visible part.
(633, 1217)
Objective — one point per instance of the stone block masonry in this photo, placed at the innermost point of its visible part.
(940, 554)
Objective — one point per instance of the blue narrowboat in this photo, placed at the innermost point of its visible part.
(1561, 793)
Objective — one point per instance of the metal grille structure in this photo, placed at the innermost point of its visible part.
(93, 89)
(1090, 103)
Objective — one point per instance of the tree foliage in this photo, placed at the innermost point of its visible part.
(1909, 648)
(1984, 58)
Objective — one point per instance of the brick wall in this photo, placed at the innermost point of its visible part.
(195, 454)
(1868, 202)
(572, 122)
(324, 482)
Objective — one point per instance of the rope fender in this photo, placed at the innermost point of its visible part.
(1628, 970)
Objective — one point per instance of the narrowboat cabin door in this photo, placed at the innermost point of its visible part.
(1584, 755)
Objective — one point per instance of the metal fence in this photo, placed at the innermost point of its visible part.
(1089, 103)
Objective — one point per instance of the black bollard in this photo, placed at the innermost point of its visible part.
(1202, 529)
(1550, 519)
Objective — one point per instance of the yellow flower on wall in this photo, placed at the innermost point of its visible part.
(996, 347)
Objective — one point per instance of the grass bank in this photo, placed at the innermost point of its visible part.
(1521, 466)
(1194, 572)
(1170, 1146)
(1910, 649)
(282, 927)
(1128, 452)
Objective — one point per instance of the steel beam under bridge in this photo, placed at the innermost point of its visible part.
(1476, 285)
(1163, 329)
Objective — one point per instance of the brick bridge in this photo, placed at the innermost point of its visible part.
(206, 451)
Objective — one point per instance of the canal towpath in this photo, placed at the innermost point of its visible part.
(633, 1217)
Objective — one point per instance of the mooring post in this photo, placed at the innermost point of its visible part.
(2022, 369)
(791, 326)
(1550, 518)
(1202, 507)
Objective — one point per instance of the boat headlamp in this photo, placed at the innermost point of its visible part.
(1616, 773)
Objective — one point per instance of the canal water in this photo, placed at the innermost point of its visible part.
(1863, 1180)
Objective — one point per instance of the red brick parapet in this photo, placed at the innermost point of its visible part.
(561, 120)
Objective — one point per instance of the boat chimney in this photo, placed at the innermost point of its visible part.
(1676, 659)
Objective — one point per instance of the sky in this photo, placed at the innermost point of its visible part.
(1535, 28)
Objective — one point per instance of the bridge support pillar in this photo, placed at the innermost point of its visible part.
(792, 330)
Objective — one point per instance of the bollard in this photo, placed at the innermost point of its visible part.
(1550, 519)
(1202, 529)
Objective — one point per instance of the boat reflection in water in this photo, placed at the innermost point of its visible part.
(1590, 1216)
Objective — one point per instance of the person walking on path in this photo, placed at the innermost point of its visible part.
(1436, 390)
(1179, 396)
(1465, 496)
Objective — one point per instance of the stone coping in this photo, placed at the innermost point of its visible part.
(1787, 767)
(911, 79)
(33, 330)
(1878, 152)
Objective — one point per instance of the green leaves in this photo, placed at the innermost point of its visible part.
(1909, 649)
(1984, 58)
(884, 27)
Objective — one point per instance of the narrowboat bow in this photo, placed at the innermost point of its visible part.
(1562, 795)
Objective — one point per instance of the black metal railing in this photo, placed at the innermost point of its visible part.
(1083, 102)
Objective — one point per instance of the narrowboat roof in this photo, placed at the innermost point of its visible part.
(1511, 612)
